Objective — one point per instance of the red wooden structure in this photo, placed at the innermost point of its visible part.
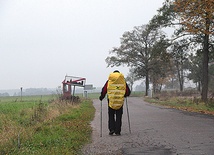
(67, 84)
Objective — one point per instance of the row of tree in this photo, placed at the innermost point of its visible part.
(4, 94)
(188, 53)
(35, 91)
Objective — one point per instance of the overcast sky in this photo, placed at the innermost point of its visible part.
(41, 41)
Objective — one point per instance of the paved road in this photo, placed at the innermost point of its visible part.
(155, 130)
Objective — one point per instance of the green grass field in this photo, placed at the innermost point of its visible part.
(44, 125)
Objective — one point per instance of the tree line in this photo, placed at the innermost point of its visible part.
(162, 59)
(4, 94)
(29, 92)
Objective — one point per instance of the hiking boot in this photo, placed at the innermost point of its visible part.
(111, 132)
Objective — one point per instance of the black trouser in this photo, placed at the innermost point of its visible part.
(115, 124)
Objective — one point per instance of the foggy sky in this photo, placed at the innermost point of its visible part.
(41, 41)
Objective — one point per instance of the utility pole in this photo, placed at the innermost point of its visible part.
(21, 94)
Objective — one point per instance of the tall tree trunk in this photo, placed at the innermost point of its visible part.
(147, 83)
(180, 76)
(160, 88)
(182, 80)
(199, 86)
(131, 86)
(172, 83)
(205, 68)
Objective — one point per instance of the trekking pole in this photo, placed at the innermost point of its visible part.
(101, 119)
(128, 116)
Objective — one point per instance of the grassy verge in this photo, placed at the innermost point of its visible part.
(44, 127)
(137, 94)
(183, 103)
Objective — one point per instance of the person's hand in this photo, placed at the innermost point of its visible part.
(100, 98)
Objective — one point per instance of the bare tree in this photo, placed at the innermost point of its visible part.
(138, 49)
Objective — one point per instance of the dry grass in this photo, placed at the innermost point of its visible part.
(186, 101)
(8, 129)
(21, 129)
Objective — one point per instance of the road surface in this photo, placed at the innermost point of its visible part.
(155, 130)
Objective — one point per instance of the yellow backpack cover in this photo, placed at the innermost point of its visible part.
(116, 90)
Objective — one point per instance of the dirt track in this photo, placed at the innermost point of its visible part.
(155, 130)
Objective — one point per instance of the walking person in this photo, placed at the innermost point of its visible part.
(116, 89)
